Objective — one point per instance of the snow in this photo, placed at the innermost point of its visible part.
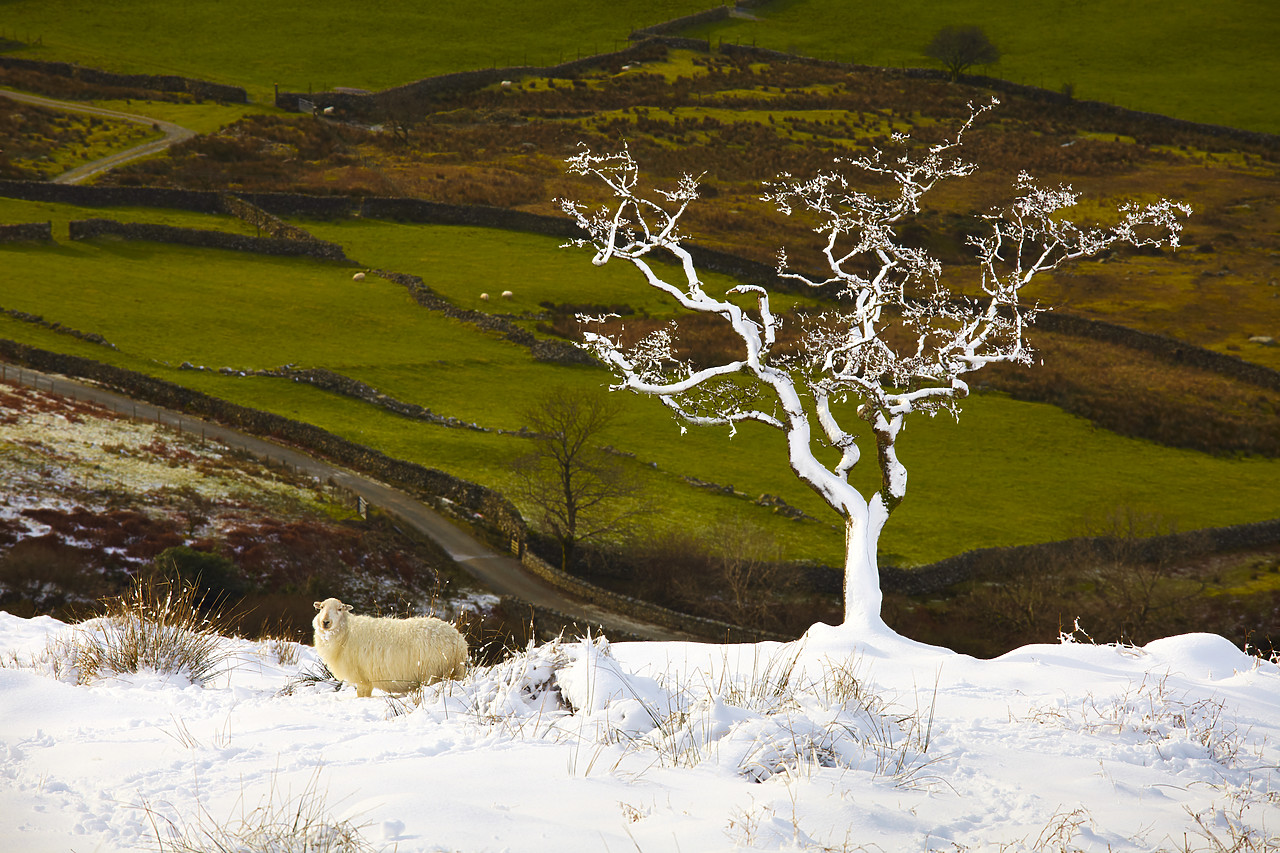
(834, 742)
(89, 454)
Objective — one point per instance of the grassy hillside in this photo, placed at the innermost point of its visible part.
(1008, 473)
(1209, 62)
(739, 124)
(325, 43)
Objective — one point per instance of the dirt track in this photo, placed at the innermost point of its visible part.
(172, 134)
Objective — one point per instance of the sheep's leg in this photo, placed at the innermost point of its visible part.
(364, 689)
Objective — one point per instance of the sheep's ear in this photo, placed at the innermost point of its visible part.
(346, 607)
(318, 604)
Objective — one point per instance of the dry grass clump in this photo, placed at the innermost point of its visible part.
(280, 823)
(156, 626)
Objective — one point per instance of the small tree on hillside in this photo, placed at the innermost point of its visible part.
(581, 491)
(898, 343)
(959, 48)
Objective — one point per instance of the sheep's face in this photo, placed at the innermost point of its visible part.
(331, 618)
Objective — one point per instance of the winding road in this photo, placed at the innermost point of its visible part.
(500, 573)
(172, 134)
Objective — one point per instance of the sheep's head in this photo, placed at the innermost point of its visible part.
(331, 618)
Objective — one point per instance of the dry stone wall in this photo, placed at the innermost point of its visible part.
(264, 221)
(1165, 348)
(86, 195)
(420, 92)
(1111, 111)
(37, 320)
(993, 562)
(675, 25)
(482, 505)
(27, 232)
(711, 629)
(154, 82)
(89, 229)
(417, 210)
(542, 350)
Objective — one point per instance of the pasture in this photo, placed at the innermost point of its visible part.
(1007, 473)
(1198, 61)
(326, 43)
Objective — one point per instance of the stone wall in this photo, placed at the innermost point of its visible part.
(37, 320)
(417, 210)
(438, 213)
(412, 95)
(264, 221)
(154, 82)
(488, 510)
(710, 629)
(27, 232)
(319, 207)
(542, 350)
(546, 624)
(90, 229)
(87, 195)
(494, 514)
(1136, 118)
(935, 577)
(336, 383)
(1165, 348)
(675, 25)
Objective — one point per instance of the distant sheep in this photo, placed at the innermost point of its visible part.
(393, 655)
(358, 277)
(484, 297)
(507, 294)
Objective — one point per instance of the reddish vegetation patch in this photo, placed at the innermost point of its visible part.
(280, 555)
(134, 535)
(16, 401)
(83, 544)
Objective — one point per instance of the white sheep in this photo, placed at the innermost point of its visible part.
(358, 277)
(507, 294)
(484, 297)
(393, 655)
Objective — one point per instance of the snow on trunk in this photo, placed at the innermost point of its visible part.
(862, 595)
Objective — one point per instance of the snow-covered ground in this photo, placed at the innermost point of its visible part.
(827, 744)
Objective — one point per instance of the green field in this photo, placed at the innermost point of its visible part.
(325, 43)
(1008, 473)
(1208, 62)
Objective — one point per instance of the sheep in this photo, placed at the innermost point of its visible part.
(484, 297)
(394, 655)
(358, 277)
(507, 294)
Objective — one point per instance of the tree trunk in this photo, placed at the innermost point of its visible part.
(862, 597)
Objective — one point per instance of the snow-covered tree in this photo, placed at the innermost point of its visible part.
(896, 343)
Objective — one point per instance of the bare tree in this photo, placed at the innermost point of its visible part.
(959, 48)
(747, 559)
(581, 491)
(1133, 570)
(897, 343)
